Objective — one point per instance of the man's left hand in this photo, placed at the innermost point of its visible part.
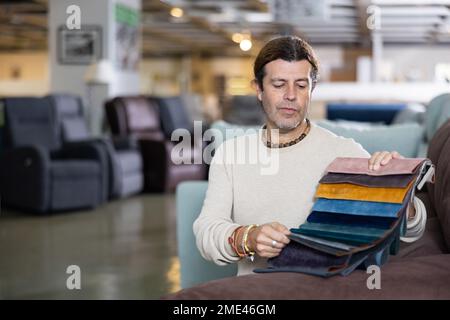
(382, 158)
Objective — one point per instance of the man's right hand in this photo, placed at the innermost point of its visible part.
(261, 239)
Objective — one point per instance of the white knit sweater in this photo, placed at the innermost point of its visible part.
(278, 186)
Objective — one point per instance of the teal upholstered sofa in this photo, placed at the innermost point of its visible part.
(193, 268)
(190, 194)
(409, 136)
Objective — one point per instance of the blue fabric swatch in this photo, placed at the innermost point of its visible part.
(363, 208)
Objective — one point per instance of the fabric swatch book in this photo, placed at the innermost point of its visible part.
(357, 219)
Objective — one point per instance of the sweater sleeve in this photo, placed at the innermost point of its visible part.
(214, 224)
(415, 227)
(351, 148)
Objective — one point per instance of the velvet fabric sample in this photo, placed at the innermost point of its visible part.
(346, 191)
(351, 226)
(361, 208)
(308, 257)
(343, 233)
(323, 245)
(296, 257)
(361, 166)
(391, 181)
(351, 220)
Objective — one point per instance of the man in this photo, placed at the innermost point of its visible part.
(248, 214)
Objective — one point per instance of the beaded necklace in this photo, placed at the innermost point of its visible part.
(290, 143)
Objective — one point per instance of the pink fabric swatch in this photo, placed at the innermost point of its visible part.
(361, 166)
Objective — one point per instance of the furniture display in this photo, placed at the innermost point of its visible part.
(152, 121)
(124, 160)
(38, 172)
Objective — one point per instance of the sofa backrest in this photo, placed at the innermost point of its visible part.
(444, 116)
(364, 112)
(413, 112)
(174, 115)
(439, 192)
(115, 116)
(244, 110)
(404, 138)
(30, 121)
(194, 106)
(194, 269)
(136, 115)
(438, 112)
(69, 112)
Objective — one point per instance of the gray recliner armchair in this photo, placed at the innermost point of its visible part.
(37, 173)
(124, 161)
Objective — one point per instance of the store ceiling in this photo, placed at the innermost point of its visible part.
(207, 26)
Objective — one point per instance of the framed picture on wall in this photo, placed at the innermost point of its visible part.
(81, 46)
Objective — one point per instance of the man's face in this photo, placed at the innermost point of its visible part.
(287, 93)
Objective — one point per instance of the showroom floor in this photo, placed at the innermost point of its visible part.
(126, 249)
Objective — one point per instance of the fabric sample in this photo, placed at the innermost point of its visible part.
(353, 226)
(343, 233)
(391, 181)
(351, 220)
(308, 257)
(327, 246)
(362, 208)
(296, 257)
(346, 191)
(361, 166)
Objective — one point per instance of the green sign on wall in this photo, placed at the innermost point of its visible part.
(127, 36)
(127, 15)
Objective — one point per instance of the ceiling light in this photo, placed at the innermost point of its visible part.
(237, 37)
(245, 45)
(176, 12)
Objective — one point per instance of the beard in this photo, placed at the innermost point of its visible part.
(287, 125)
(284, 124)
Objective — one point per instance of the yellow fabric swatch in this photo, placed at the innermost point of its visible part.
(348, 191)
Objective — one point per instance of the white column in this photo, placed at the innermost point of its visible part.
(112, 24)
(377, 55)
(374, 24)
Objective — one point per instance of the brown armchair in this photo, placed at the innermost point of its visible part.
(140, 117)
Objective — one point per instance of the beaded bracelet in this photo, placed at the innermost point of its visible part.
(232, 241)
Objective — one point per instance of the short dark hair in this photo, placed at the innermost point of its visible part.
(288, 48)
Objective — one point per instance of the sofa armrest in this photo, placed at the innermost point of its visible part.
(424, 196)
(156, 151)
(125, 142)
(156, 161)
(88, 150)
(24, 178)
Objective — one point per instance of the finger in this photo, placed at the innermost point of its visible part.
(372, 160)
(273, 234)
(265, 240)
(386, 158)
(279, 237)
(281, 228)
(269, 255)
(262, 250)
(377, 161)
(397, 155)
(272, 255)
